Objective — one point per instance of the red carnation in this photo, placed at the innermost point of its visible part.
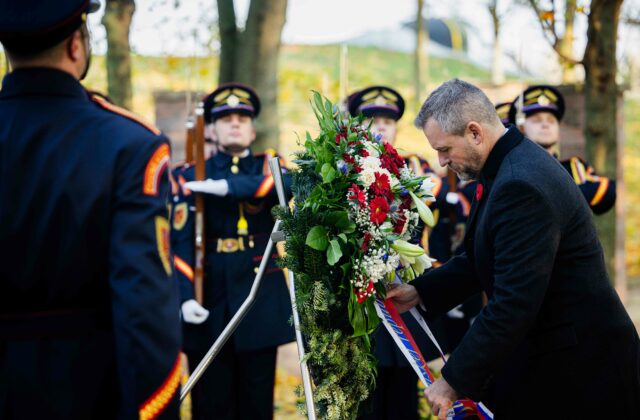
(362, 296)
(379, 209)
(381, 186)
(356, 194)
(340, 136)
(364, 152)
(365, 242)
(400, 224)
(348, 158)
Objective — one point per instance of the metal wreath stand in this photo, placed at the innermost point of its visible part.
(276, 236)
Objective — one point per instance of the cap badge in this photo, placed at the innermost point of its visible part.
(543, 100)
(233, 101)
(380, 100)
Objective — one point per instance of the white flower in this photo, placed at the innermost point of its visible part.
(370, 147)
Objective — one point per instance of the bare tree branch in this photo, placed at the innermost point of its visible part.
(549, 30)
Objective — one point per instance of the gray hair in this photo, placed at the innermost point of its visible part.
(454, 104)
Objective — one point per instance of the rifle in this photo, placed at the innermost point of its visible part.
(190, 140)
(199, 199)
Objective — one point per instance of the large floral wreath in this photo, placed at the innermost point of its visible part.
(356, 207)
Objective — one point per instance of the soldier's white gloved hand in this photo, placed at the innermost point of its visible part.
(452, 198)
(219, 187)
(193, 312)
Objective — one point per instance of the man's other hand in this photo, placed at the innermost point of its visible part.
(403, 296)
(440, 397)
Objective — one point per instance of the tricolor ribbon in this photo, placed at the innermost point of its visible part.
(393, 322)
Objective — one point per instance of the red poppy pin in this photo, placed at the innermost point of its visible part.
(479, 191)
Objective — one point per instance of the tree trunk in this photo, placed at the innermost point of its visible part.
(421, 65)
(497, 71)
(566, 43)
(117, 22)
(228, 41)
(257, 64)
(601, 94)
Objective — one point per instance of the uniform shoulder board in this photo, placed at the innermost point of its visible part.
(103, 103)
(266, 155)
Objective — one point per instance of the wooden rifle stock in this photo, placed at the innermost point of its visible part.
(199, 199)
(191, 132)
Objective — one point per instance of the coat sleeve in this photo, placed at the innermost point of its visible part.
(144, 294)
(599, 191)
(445, 287)
(183, 235)
(246, 187)
(525, 236)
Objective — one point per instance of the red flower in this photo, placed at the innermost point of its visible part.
(348, 158)
(365, 242)
(362, 295)
(340, 136)
(390, 160)
(479, 191)
(400, 224)
(364, 152)
(379, 209)
(381, 186)
(356, 194)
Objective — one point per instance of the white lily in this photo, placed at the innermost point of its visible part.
(423, 210)
(407, 249)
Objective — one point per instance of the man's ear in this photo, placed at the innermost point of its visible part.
(74, 46)
(476, 131)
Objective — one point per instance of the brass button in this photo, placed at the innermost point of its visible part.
(234, 169)
(235, 160)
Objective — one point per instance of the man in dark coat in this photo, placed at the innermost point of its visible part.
(89, 324)
(554, 334)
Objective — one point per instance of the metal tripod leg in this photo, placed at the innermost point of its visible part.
(235, 321)
(276, 171)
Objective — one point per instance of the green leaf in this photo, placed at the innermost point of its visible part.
(343, 237)
(345, 268)
(317, 238)
(356, 316)
(328, 173)
(333, 252)
(350, 228)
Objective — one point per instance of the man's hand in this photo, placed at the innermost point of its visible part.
(193, 313)
(403, 296)
(441, 397)
(219, 187)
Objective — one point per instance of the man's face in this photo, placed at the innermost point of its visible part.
(543, 128)
(386, 127)
(233, 133)
(459, 153)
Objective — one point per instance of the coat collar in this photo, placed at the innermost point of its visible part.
(224, 160)
(41, 81)
(503, 146)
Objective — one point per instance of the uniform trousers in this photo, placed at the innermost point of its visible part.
(236, 386)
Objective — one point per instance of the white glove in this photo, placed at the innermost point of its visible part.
(193, 313)
(219, 187)
(452, 198)
(456, 313)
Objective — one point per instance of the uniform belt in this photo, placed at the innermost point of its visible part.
(231, 245)
(66, 323)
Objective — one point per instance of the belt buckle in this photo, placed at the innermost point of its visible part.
(229, 245)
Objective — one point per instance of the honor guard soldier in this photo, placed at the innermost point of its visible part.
(239, 197)
(503, 109)
(89, 323)
(396, 393)
(537, 113)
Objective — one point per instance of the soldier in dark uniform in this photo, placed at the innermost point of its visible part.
(89, 323)
(542, 110)
(396, 394)
(502, 109)
(240, 194)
